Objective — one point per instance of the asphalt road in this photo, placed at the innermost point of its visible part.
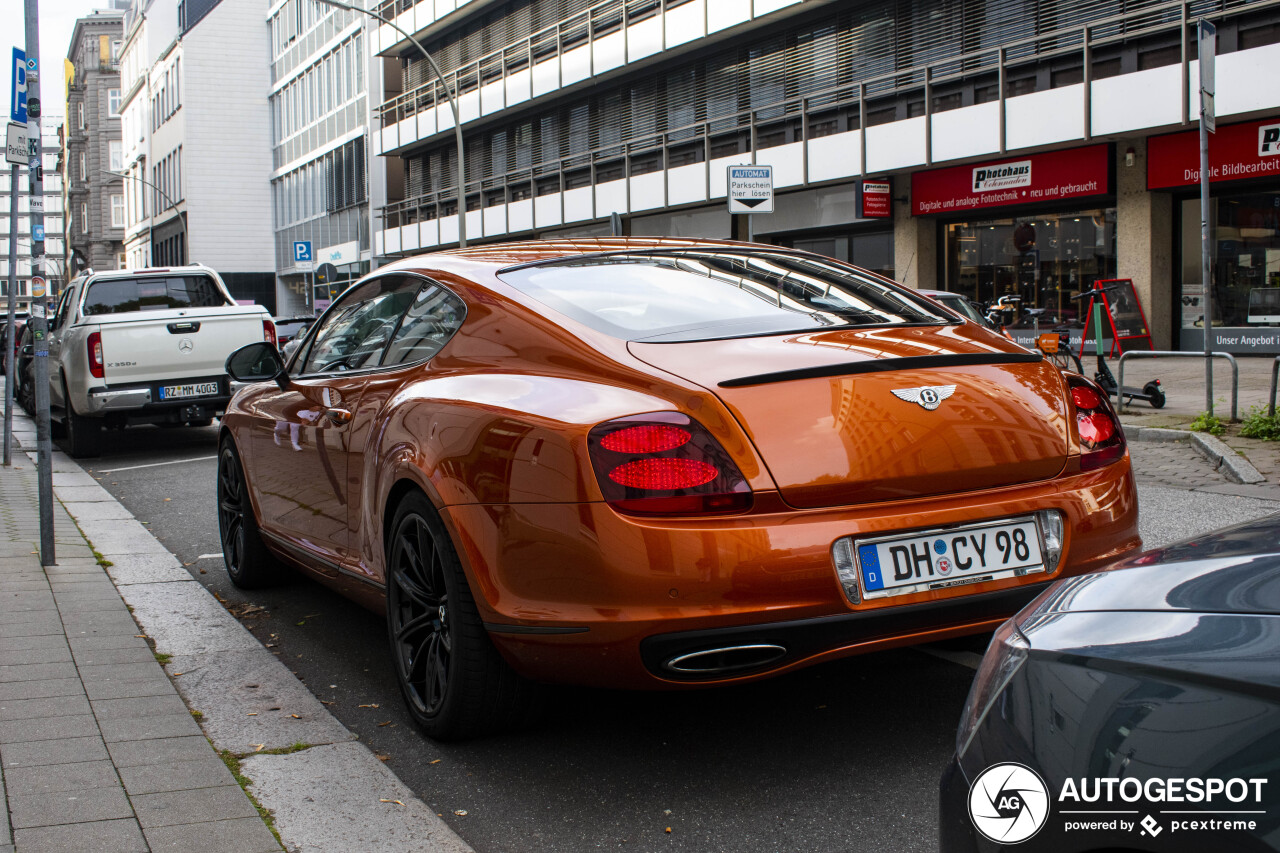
(835, 758)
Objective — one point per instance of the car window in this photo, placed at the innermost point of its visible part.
(961, 306)
(64, 303)
(355, 331)
(152, 293)
(427, 326)
(703, 294)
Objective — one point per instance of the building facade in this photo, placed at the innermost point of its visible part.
(996, 148)
(319, 147)
(94, 150)
(54, 222)
(198, 140)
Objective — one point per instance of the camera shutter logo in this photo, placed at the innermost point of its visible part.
(1008, 803)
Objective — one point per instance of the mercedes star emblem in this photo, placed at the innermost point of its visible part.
(185, 346)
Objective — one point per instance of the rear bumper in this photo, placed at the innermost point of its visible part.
(123, 400)
(808, 637)
(143, 402)
(581, 594)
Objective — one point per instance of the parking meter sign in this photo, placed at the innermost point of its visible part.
(750, 189)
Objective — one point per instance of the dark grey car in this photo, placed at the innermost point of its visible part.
(1132, 709)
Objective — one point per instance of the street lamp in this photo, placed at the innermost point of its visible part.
(170, 205)
(453, 105)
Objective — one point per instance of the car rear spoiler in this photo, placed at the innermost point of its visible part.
(879, 365)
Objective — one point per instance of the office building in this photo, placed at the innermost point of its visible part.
(94, 150)
(990, 148)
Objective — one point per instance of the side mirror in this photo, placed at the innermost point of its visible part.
(257, 362)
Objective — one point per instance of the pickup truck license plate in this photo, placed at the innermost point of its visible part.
(176, 392)
(938, 559)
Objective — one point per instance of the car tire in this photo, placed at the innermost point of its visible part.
(26, 398)
(84, 435)
(250, 565)
(454, 682)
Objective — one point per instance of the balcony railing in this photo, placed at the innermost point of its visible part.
(602, 19)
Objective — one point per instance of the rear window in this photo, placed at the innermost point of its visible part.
(690, 295)
(152, 293)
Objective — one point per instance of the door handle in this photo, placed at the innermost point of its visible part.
(340, 417)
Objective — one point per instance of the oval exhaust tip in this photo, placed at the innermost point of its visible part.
(725, 660)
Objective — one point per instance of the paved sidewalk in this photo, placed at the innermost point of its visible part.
(122, 683)
(99, 752)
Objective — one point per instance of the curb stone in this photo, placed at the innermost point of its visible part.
(1231, 464)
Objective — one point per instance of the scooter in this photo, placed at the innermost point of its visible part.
(1151, 392)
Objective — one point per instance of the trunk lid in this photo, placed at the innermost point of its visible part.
(839, 419)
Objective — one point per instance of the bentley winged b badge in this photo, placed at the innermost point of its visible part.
(928, 396)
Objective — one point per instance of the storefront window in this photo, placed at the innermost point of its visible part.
(1045, 259)
(870, 250)
(1245, 238)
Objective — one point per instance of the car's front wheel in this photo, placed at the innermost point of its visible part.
(454, 681)
(249, 564)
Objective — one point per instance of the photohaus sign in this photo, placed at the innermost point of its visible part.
(987, 178)
(1075, 173)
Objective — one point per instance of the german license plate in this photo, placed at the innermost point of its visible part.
(177, 392)
(947, 557)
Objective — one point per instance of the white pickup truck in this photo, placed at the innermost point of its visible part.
(144, 346)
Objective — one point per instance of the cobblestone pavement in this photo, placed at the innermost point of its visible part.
(1172, 463)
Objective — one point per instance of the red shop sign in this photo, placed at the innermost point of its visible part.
(1030, 179)
(1236, 152)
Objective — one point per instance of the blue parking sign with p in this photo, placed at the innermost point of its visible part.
(302, 250)
(18, 95)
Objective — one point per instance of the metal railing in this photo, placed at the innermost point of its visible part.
(1176, 15)
(1231, 359)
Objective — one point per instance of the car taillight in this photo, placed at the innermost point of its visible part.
(665, 463)
(1101, 437)
(269, 332)
(94, 345)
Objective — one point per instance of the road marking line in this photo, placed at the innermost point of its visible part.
(969, 659)
(155, 464)
(209, 557)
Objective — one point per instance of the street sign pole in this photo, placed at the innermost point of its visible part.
(1207, 49)
(39, 324)
(10, 355)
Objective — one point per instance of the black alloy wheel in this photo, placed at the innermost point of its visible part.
(418, 606)
(454, 682)
(249, 564)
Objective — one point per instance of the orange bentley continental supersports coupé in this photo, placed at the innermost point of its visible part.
(659, 464)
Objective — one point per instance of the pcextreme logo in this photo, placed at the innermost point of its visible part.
(1008, 803)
